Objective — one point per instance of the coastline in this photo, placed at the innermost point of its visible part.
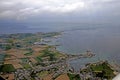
(36, 57)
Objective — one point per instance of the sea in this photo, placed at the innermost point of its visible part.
(76, 38)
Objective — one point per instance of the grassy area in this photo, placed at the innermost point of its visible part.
(42, 74)
(28, 53)
(97, 67)
(7, 56)
(24, 60)
(47, 53)
(26, 66)
(8, 47)
(103, 70)
(25, 63)
(7, 68)
(73, 76)
(39, 59)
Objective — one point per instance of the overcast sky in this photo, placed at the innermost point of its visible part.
(60, 10)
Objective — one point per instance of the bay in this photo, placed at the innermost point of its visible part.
(104, 41)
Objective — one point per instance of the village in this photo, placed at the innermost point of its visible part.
(25, 57)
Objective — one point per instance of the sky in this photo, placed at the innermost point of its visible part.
(60, 10)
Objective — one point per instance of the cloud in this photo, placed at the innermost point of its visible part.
(33, 7)
(21, 9)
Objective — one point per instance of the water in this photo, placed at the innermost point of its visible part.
(102, 39)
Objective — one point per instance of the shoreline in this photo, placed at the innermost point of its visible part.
(47, 56)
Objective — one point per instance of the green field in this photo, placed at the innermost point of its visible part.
(74, 76)
(7, 68)
(103, 70)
